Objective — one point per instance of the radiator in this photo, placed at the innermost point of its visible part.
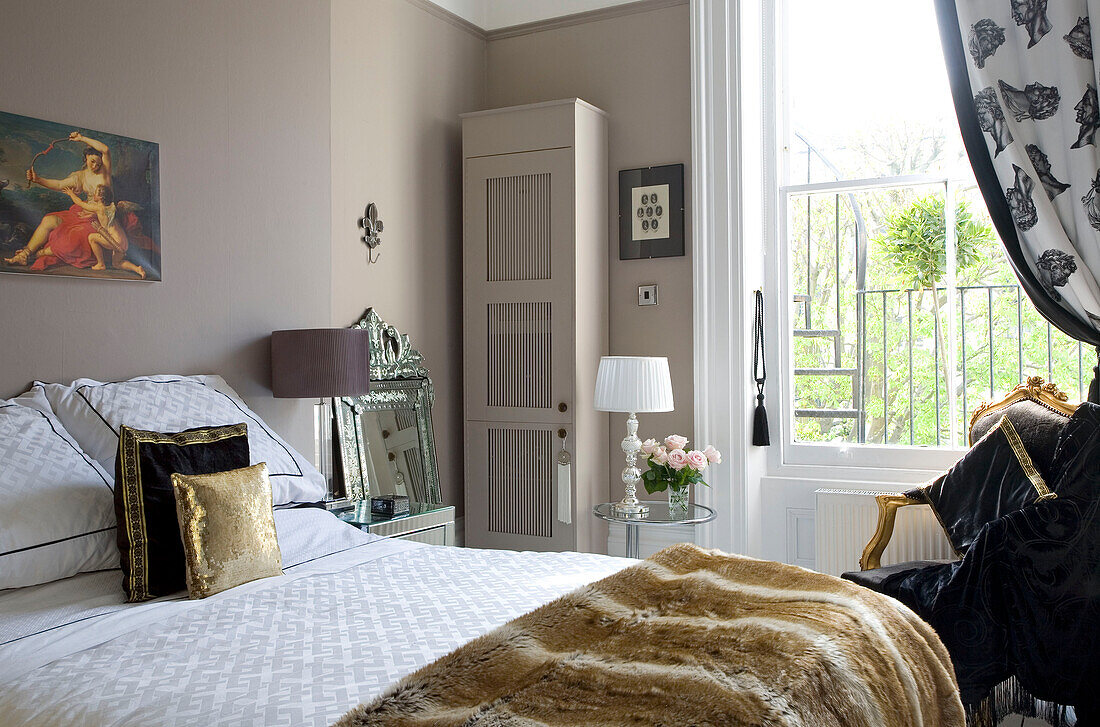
(846, 519)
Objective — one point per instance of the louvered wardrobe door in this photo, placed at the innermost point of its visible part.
(512, 497)
(519, 303)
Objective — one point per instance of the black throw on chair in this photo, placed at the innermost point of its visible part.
(1020, 610)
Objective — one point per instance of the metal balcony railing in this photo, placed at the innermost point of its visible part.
(1001, 340)
(996, 349)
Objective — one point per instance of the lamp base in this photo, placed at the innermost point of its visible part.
(339, 482)
(630, 510)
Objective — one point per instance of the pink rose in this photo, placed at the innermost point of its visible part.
(713, 455)
(697, 460)
(649, 446)
(677, 459)
(675, 441)
(660, 455)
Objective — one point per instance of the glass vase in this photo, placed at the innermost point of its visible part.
(678, 501)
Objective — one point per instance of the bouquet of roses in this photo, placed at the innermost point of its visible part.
(671, 464)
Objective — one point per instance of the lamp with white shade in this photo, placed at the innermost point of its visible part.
(633, 384)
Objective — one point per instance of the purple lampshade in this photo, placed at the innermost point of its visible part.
(320, 362)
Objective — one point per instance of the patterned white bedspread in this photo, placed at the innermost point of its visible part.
(300, 649)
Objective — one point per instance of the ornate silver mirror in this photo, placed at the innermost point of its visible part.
(388, 441)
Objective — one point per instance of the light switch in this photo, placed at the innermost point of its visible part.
(647, 294)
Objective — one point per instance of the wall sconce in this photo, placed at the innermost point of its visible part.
(372, 231)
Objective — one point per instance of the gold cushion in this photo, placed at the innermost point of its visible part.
(227, 528)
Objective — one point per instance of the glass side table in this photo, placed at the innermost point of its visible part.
(658, 515)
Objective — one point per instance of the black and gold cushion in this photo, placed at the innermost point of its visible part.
(995, 477)
(1038, 425)
(228, 529)
(148, 532)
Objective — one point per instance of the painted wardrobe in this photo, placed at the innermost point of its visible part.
(535, 324)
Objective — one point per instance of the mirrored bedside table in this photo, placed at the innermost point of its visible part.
(429, 523)
(658, 515)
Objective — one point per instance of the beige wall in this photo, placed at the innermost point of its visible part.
(259, 211)
(637, 68)
(239, 102)
(400, 78)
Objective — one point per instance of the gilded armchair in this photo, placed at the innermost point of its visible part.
(1043, 403)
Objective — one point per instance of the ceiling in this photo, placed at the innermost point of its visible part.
(492, 15)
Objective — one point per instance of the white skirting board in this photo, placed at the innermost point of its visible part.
(651, 538)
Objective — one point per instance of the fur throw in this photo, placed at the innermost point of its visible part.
(690, 637)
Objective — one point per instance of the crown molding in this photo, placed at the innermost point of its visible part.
(590, 16)
(539, 26)
(447, 16)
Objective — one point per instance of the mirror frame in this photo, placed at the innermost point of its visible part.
(399, 380)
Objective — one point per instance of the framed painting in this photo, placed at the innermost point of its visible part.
(651, 212)
(77, 202)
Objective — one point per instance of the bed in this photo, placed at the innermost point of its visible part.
(353, 614)
(354, 623)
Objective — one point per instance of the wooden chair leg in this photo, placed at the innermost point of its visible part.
(887, 513)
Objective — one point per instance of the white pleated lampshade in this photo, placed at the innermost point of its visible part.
(633, 384)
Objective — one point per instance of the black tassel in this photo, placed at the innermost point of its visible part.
(760, 436)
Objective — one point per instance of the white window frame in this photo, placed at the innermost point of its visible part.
(849, 461)
(735, 189)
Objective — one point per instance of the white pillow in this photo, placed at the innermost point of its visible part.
(93, 411)
(308, 533)
(57, 505)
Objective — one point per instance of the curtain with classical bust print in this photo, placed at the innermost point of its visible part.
(1024, 79)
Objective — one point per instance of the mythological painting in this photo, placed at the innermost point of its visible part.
(77, 202)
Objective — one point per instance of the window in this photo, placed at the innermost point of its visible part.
(905, 313)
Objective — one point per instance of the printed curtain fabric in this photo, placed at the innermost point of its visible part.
(1024, 82)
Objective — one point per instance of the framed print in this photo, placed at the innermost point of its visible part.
(77, 202)
(651, 212)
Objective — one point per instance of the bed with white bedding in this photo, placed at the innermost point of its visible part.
(352, 614)
(355, 618)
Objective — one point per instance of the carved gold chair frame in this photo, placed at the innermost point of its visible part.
(1035, 389)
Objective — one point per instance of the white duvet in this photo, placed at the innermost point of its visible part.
(353, 614)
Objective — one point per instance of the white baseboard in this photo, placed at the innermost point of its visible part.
(650, 539)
